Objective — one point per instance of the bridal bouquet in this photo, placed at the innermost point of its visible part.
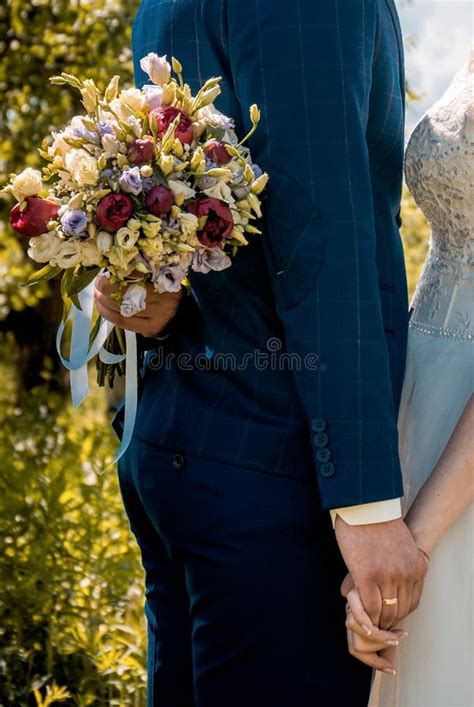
(145, 187)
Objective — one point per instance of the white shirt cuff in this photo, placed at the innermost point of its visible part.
(366, 513)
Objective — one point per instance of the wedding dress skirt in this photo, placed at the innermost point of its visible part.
(436, 662)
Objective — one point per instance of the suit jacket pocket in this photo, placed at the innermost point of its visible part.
(292, 237)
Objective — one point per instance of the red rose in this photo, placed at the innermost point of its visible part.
(113, 211)
(165, 115)
(33, 221)
(159, 200)
(216, 151)
(141, 151)
(219, 222)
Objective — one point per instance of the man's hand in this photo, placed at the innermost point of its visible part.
(384, 563)
(160, 309)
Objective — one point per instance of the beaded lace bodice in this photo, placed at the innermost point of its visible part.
(439, 170)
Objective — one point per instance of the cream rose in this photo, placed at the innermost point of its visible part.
(69, 254)
(82, 167)
(110, 144)
(133, 98)
(90, 254)
(27, 183)
(157, 68)
(126, 238)
(44, 248)
(104, 241)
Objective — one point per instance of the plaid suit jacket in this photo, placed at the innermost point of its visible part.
(326, 279)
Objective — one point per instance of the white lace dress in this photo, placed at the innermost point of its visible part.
(436, 660)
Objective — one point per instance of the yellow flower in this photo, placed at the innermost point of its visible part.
(151, 230)
(259, 184)
(90, 95)
(121, 258)
(166, 163)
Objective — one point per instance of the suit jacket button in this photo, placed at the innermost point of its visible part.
(327, 469)
(323, 454)
(178, 461)
(320, 439)
(318, 424)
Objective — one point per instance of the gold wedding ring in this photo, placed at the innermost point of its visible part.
(390, 602)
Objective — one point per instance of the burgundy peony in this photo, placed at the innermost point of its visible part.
(141, 151)
(165, 115)
(113, 211)
(33, 221)
(219, 222)
(159, 200)
(216, 151)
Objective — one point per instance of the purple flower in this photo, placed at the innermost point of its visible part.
(78, 129)
(207, 259)
(74, 222)
(168, 278)
(131, 181)
(106, 127)
(153, 96)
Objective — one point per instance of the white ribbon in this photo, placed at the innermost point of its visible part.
(81, 354)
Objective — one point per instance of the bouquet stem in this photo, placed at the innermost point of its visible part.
(106, 372)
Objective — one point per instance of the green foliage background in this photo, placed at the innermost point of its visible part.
(71, 624)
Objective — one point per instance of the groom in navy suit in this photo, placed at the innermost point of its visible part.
(233, 469)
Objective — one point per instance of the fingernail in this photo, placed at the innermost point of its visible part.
(367, 630)
(389, 671)
(392, 643)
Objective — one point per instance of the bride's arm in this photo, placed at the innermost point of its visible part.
(450, 488)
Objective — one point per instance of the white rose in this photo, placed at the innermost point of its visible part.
(69, 254)
(44, 248)
(27, 183)
(156, 67)
(82, 167)
(104, 241)
(110, 144)
(133, 98)
(133, 301)
(90, 254)
(181, 191)
(126, 237)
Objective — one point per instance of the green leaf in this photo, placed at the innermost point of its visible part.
(214, 132)
(46, 273)
(81, 279)
(94, 331)
(159, 176)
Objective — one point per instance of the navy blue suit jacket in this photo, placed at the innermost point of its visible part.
(326, 280)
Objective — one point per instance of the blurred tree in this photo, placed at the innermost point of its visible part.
(71, 598)
(39, 39)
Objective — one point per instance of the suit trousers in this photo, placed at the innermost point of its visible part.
(242, 586)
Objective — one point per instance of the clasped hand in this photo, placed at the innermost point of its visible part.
(384, 563)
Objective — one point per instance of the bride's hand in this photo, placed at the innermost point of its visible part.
(369, 644)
